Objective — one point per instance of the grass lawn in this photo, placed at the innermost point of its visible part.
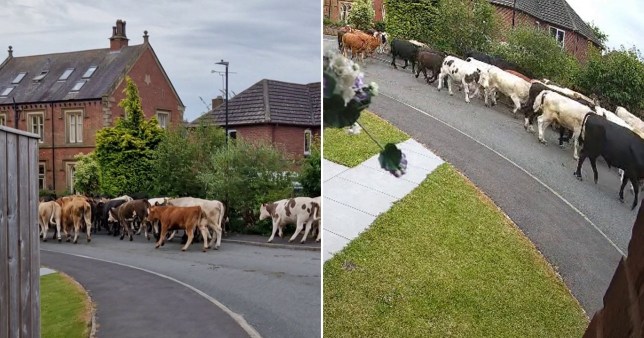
(351, 150)
(65, 310)
(444, 261)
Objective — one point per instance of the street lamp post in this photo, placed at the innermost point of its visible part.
(225, 63)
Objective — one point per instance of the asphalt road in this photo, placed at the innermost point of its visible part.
(277, 291)
(580, 227)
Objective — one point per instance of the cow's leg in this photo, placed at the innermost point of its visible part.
(575, 136)
(76, 230)
(174, 232)
(275, 222)
(593, 164)
(307, 228)
(634, 182)
(449, 86)
(466, 89)
(204, 234)
(191, 235)
(122, 225)
(319, 231)
(517, 105)
(406, 64)
(298, 228)
(441, 78)
(217, 232)
(542, 124)
(393, 60)
(621, 189)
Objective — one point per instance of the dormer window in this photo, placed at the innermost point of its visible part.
(6, 91)
(66, 74)
(18, 77)
(90, 71)
(41, 75)
(78, 86)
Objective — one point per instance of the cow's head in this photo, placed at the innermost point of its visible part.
(263, 212)
(482, 78)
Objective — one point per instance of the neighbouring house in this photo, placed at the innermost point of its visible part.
(561, 21)
(67, 97)
(285, 115)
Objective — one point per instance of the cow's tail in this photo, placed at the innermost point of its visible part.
(538, 102)
(583, 128)
(222, 216)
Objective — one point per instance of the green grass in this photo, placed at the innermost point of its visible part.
(64, 308)
(351, 150)
(444, 261)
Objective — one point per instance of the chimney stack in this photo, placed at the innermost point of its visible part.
(118, 39)
(216, 102)
(10, 52)
(145, 37)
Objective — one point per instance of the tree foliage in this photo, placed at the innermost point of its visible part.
(601, 36)
(125, 151)
(245, 175)
(181, 156)
(311, 173)
(86, 177)
(617, 78)
(534, 49)
(362, 14)
(411, 19)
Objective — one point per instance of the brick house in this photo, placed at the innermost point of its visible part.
(563, 23)
(338, 10)
(67, 97)
(557, 16)
(286, 115)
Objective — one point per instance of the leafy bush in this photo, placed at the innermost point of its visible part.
(380, 26)
(617, 78)
(361, 15)
(535, 50)
(411, 19)
(86, 178)
(125, 152)
(47, 195)
(245, 175)
(311, 174)
(179, 158)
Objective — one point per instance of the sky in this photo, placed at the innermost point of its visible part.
(278, 40)
(621, 20)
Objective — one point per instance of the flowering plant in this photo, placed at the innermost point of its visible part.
(346, 96)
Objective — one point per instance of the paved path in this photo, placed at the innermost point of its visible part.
(354, 197)
(134, 303)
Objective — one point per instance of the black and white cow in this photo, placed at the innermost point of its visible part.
(460, 71)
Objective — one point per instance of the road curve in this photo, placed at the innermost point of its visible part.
(133, 303)
(580, 227)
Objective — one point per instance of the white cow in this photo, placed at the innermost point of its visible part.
(632, 120)
(516, 88)
(298, 210)
(49, 212)
(568, 113)
(460, 71)
(124, 197)
(213, 209)
(484, 67)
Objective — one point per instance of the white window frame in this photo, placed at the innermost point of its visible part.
(345, 9)
(554, 32)
(3, 119)
(308, 139)
(166, 121)
(40, 129)
(42, 176)
(70, 172)
(230, 134)
(383, 11)
(74, 131)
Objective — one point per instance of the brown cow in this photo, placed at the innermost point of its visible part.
(429, 60)
(186, 218)
(49, 212)
(359, 43)
(74, 210)
(128, 213)
(518, 74)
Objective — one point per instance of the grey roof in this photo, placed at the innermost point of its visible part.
(270, 101)
(557, 12)
(111, 67)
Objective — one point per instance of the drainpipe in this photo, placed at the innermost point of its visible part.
(53, 148)
(514, 9)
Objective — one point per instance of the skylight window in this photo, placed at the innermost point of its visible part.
(66, 74)
(41, 75)
(18, 77)
(78, 86)
(90, 71)
(6, 91)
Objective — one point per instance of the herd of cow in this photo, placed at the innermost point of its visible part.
(616, 136)
(125, 216)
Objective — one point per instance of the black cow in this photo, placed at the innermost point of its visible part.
(499, 62)
(404, 50)
(619, 146)
(112, 229)
(429, 60)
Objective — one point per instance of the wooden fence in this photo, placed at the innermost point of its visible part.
(19, 242)
(622, 315)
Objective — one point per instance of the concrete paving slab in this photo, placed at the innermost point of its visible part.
(332, 244)
(344, 220)
(360, 197)
(331, 169)
(379, 180)
(46, 271)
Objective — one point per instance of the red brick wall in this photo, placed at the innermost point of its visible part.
(574, 43)
(334, 12)
(290, 139)
(157, 94)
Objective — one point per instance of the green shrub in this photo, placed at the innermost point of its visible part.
(86, 178)
(246, 175)
(361, 14)
(311, 175)
(411, 19)
(380, 26)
